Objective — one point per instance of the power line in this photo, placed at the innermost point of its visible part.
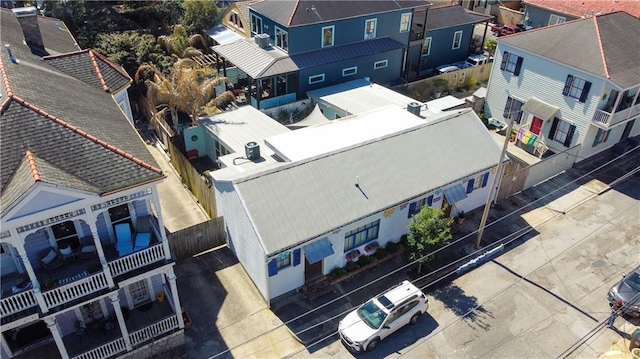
(419, 259)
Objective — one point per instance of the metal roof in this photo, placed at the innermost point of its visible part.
(539, 108)
(345, 52)
(451, 16)
(255, 61)
(303, 200)
(359, 96)
(455, 193)
(318, 250)
(605, 45)
(223, 35)
(341, 133)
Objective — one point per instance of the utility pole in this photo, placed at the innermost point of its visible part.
(495, 181)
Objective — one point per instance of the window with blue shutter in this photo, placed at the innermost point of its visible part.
(554, 127)
(585, 92)
(273, 267)
(485, 178)
(412, 209)
(572, 130)
(296, 257)
(470, 185)
(505, 57)
(430, 200)
(516, 71)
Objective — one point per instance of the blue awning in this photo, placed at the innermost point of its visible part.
(455, 194)
(318, 250)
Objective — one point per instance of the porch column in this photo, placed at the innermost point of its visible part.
(5, 346)
(163, 234)
(174, 294)
(115, 301)
(91, 219)
(53, 327)
(32, 274)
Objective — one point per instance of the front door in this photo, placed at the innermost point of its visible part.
(627, 130)
(312, 271)
(139, 292)
(446, 207)
(536, 125)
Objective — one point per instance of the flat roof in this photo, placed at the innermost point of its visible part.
(359, 96)
(444, 103)
(341, 133)
(233, 129)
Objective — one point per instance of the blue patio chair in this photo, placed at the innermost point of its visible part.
(123, 236)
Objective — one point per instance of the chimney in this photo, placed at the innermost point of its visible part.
(28, 18)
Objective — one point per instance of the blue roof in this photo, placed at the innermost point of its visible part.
(455, 194)
(318, 250)
(344, 52)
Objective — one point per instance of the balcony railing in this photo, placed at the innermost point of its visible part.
(137, 260)
(165, 325)
(17, 303)
(608, 119)
(104, 351)
(75, 290)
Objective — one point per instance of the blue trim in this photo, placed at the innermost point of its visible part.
(273, 267)
(470, 185)
(296, 257)
(485, 179)
(430, 200)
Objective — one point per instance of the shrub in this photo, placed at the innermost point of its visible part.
(391, 247)
(338, 272)
(381, 253)
(363, 260)
(351, 266)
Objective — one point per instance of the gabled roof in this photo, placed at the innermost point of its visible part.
(255, 61)
(605, 45)
(582, 8)
(291, 13)
(64, 122)
(299, 201)
(452, 16)
(91, 68)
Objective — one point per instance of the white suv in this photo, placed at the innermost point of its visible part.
(365, 327)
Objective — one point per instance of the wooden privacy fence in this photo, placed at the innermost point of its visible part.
(198, 186)
(198, 238)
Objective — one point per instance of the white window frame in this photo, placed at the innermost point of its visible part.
(576, 88)
(380, 64)
(279, 41)
(375, 28)
(455, 46)
(312, 81)
(512, 63)
(562, 131)
(556, 19)
(406, 23)
(254, 26)
(350, 71)
(428, 39)
(333, 35)
(283, 260)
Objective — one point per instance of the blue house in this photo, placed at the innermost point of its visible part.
(297, 46)
(448, 39)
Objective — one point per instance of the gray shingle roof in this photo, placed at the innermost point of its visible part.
(302, 200)
(345, 52)
(605, 45)
(81, 66)
(75, 130)
(292, 13)
(451, 16)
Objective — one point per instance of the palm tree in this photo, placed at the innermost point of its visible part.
(190, 88)
(179, 45)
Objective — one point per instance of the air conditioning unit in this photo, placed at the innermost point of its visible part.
(414, 108)
(262, 40)
(252, 150)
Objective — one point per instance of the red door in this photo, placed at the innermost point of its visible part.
(536, 126)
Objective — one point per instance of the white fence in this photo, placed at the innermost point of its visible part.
(17, 303)
(551, 166)
(75, 290)
(154, 330)
(104, 351)
(137, 260)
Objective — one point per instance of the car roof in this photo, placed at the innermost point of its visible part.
(397, 294)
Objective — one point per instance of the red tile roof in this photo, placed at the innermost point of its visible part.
(581, 8)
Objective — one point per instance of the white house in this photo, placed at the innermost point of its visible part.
(290, 223)
(85, 260)
(571, 84)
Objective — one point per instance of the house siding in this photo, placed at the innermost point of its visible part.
(241, 235)
(545, 81)
(34, 244)
(538, 17)
(441, 52)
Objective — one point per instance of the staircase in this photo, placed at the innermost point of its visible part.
(317, 287)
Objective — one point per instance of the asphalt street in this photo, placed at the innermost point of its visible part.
(536, 300)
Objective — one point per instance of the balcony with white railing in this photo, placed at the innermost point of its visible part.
(136, 260)
(155, 330)
(606, 120)
(17, 303)
(75, 290)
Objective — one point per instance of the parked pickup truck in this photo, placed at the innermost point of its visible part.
(503, 30)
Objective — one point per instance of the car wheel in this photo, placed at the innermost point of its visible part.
(373, 344)
(415, 318)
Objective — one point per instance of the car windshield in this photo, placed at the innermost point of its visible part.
(633, 281)
(372, 314)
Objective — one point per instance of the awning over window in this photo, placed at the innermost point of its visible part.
(539, 109)
(455, 194)
(318, 250)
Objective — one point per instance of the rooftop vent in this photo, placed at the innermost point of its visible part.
(252, 150)
(262, 40)
(414, 108)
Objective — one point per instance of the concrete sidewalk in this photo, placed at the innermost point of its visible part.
(511, 221)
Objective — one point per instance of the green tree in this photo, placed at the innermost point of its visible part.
(490, 45)
(428, 231)
(131, 49)
(199, 15)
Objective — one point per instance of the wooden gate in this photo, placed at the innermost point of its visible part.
(198, 238)
(514, 178)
